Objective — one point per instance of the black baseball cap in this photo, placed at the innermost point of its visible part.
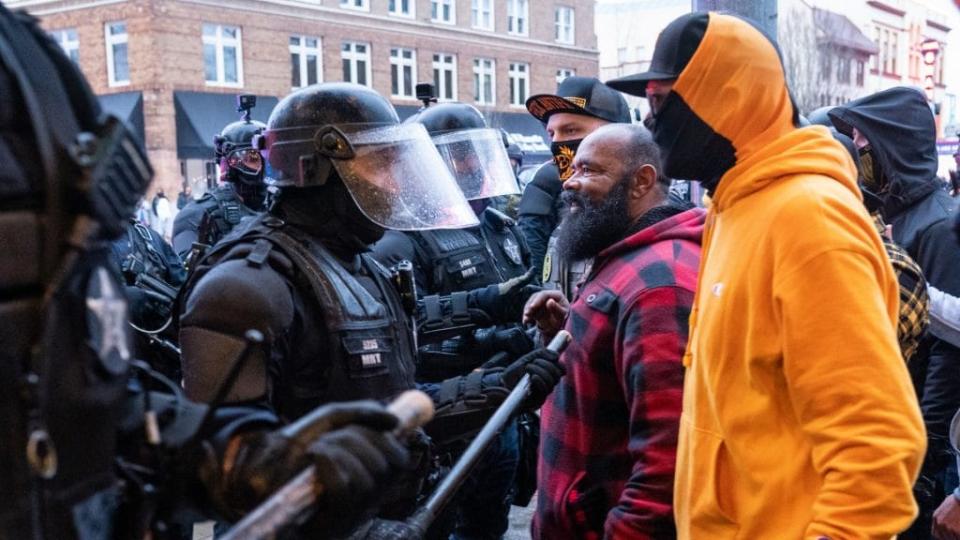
(581, 95)
(675, 46)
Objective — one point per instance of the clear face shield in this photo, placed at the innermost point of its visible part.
(245, 160)
(393, 172)
(479, 162)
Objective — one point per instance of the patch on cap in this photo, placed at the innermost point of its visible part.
(578, 101)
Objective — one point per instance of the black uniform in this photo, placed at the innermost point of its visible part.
(336, 325)
(538, 213)
(87, 451)
(447, 261)
(153, 275)
(208, 219)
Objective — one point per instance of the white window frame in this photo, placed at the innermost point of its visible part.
(396, 12)
(219, 43)
(480, 70)
(440, 66)
(518, 15)
(353, 57)
(564, 31)
(111, 40)
(356, 5)
(519, 78)
(481, 11)
(397, 63)
(301, 48)
(62, 37)
(563, 73)
(452, 4)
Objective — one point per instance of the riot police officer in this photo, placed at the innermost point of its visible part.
(87, 451)
(153, 274)
(241, 192)
(448, 261)
(336, 326)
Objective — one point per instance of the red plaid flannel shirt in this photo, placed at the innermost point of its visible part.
(609, 430)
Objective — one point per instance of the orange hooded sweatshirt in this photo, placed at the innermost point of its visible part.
(799, 418)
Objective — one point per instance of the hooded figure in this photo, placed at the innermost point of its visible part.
(799, 419)
(898, 155)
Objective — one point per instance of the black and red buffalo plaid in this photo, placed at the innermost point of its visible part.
(609, 430)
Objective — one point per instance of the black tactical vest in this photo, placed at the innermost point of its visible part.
(360, 343)
(464, 259)
(223, 209)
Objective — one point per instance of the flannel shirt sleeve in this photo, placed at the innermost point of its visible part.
(650, 341)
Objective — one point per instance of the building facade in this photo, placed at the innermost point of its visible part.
(175, 66)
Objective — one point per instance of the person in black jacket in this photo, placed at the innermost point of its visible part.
(896, 139)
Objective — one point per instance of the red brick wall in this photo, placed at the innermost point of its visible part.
(166, 51)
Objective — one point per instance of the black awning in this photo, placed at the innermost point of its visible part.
(201, 115)
(525, 131)
(127, 106)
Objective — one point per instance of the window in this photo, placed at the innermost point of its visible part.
(118, 65)
(563, 22)
(826, 67)
(481, 14)
(484, 81)
(517, 16)
(402, 8)
(519, 83)
(893, 51)
(445, 76)
(222, 65)
(306, 61)
(403, 72)
(356, 62)
(68, 41)
(563, 74)
(444, 11)
(860, 72)
(843, 71)
(879, 44)
(360, 5)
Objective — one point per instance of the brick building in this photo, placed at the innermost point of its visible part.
(173, 67)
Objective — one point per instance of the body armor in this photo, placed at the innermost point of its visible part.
(561, 275)
(223, 209)
(362, 344)
(464, 259)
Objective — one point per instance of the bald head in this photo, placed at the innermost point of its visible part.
(631, 145)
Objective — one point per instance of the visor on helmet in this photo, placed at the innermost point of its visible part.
(478, 162)
(392, 171)
(245, 160)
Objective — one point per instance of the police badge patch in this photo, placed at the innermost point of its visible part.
(107, 322)
(512, 250)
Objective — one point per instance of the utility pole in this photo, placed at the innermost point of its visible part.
(763, 12)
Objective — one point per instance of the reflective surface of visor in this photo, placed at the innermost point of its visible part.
(246, 160)
(479, 162)
(399, 181)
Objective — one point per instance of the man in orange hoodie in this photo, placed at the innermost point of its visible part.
(799, 419)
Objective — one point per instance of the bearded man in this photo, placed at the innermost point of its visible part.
(609, 430)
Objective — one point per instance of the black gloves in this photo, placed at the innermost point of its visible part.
(351, 448)
(504, 302)
(545, 372)
(513, 340)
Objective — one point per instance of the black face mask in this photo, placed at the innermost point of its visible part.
(691, 149)
(563, 153)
